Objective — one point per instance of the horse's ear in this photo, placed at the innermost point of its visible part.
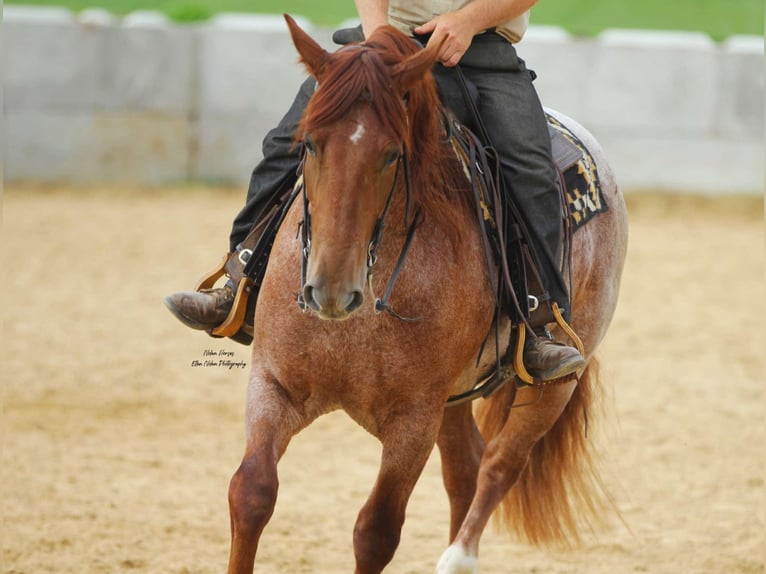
(313, 56)
(414, 67)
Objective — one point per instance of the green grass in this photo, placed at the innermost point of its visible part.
(718, 18)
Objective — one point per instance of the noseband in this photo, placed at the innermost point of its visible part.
(381, 304)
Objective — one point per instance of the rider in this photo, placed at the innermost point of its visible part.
(480, 35)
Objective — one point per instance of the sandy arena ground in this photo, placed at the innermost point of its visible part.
(117, 452)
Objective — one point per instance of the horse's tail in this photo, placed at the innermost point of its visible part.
(559, 492)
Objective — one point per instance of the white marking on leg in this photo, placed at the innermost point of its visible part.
(357, 135)
(457, 560)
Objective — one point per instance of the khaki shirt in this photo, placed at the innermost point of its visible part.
(408, 14)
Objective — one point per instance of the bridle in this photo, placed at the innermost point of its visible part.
(382, 303)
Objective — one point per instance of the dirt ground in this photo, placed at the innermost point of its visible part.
(117, 452)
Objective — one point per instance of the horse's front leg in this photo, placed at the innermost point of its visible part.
(271, 423)
(461, 446)
(408, 440)
(505, 456)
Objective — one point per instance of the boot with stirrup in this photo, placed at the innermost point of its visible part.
(225, 311)
(545, 358)
(203, 310)
(229, 311)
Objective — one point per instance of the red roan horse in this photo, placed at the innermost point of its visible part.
(393, 376)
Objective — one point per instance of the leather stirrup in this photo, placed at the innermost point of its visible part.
(236, 317)
(209, 279)
(233, 322)
(521, 332)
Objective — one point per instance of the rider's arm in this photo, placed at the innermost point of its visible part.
(372, 13)
(458, 28)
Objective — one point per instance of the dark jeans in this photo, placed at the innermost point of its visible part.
(516, 125)
(280, 161)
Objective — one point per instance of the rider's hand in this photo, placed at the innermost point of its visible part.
(457, 32)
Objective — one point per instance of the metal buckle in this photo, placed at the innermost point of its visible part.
(534, 303)
(244, 255)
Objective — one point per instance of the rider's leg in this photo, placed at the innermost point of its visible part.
(524, 149)
(280, 160)
(207, 308)
(517, 128)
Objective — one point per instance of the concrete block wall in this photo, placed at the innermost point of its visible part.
(249, 74)
(673, 110)
(91, 98)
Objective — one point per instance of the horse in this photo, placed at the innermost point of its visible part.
(393, 372)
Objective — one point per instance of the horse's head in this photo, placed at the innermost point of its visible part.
(355, 131)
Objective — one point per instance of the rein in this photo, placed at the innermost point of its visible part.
(381, 304)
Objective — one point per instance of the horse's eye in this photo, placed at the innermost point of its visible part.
(392, 157)
(308, 143)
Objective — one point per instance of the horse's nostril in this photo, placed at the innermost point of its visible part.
(357, 298)
(308, 297)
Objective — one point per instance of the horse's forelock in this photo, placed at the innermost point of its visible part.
(363, 73)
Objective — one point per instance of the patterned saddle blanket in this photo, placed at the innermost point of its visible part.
(583, 190)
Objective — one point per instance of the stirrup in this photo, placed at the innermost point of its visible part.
(209, 279)
(521, 333)
(236, 317)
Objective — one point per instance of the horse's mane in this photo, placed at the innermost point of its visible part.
(365, 73)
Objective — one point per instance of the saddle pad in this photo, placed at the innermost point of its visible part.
(583, 190)
(564, 151)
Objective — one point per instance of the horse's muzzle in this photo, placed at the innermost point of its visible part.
(332, 304)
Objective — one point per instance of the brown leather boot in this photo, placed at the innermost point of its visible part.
(202, 310)
(547, 359)
(544, 357)
(208, 307)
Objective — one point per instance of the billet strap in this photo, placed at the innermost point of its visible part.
(233, 322)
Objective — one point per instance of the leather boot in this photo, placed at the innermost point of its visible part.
(208, 307)
(544, 357)
(204, 309)
(547, 359)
